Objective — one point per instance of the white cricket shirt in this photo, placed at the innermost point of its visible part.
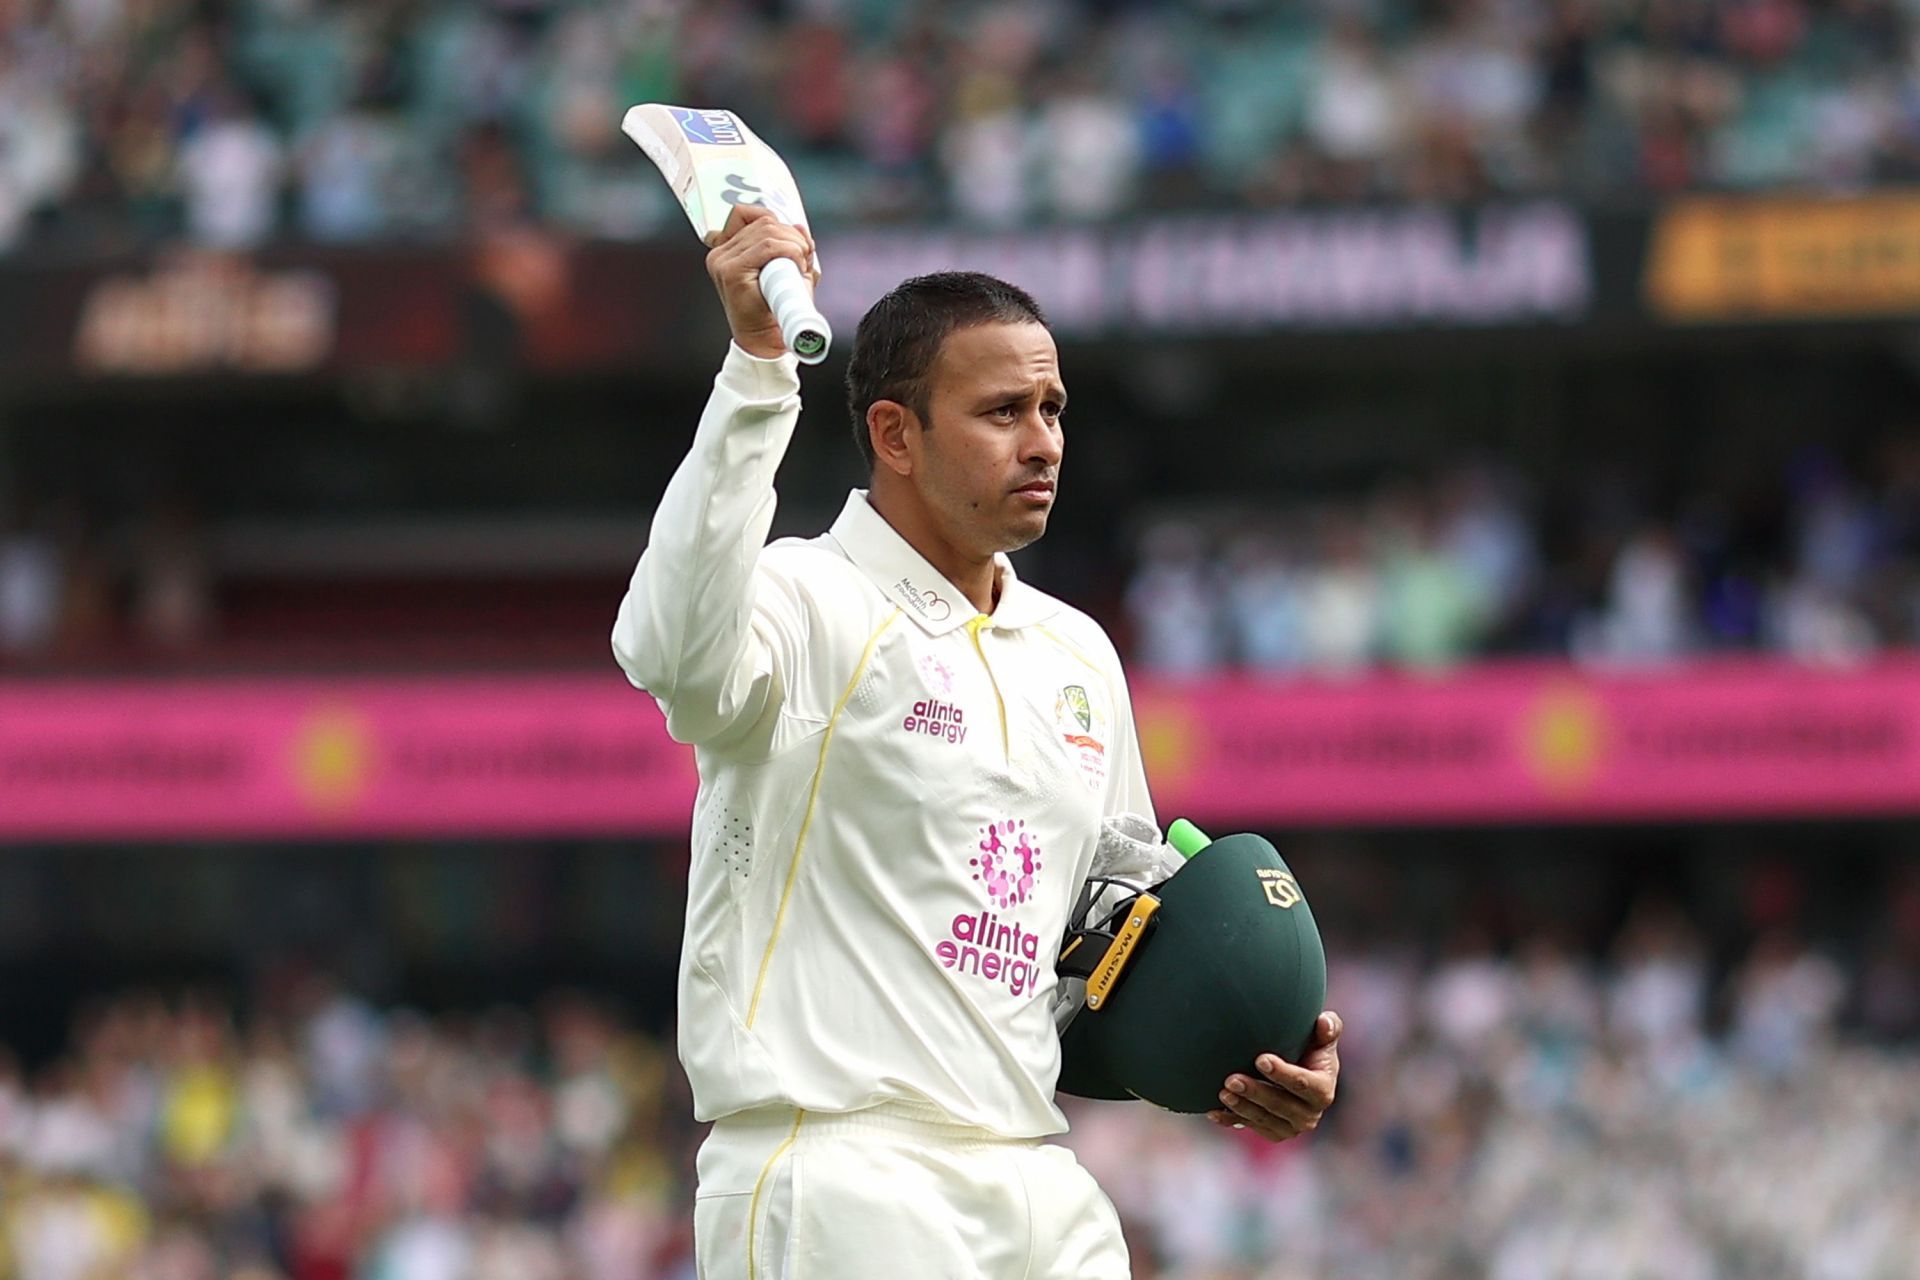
(899, 798)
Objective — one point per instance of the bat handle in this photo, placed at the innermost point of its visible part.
(791, 299)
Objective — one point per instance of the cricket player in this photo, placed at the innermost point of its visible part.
(905, 757)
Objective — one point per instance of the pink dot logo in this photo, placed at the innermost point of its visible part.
(1008, 863)
(937, 674)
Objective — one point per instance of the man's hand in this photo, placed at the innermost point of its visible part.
(1297, 1096)
(752, 238)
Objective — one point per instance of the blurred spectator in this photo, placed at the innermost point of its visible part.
(1658, 997)
(1815, 623)
(1342, 598)
(1471, 994)
(1646, 618)
(1822, 570)
(985, 152)
(1264, 604)
(1786, 1002)
(345, 167)
(230, 172)
(30, 586)
(1485, 534)
(40, 140)
(996, 113)
(1354, 113)
(1170, 603)
(1508, 1130)
(1431, 613)
(1087, 150)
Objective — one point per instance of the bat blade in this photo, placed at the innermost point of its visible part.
(713, 161)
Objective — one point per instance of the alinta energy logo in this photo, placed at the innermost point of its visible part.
(936, 719)
(1008, 870)
(983, 944)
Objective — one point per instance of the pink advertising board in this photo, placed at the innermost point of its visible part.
(1541, 741)
(507, 755)
(587, 754)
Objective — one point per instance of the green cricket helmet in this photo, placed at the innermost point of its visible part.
(1188, 982)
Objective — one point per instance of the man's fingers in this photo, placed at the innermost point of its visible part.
(758, 246)
(812, 264)
(1292, 1098)
(1323, 1058)
(759, 254)
(742, 216)
(1269, 1126)
(1312, 1082)
(743, 244)
(1257, 1099)
(734, 264)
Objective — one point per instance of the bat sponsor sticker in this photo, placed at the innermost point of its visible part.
(709, 128)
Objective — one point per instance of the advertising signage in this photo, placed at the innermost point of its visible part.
(1360, 269)
(1788, 258)
(560, 755)
(542, 303)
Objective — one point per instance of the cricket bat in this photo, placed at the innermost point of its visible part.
(714, 162)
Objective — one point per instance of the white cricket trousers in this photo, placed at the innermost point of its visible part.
(895, 1193)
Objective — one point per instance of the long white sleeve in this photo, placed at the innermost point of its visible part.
(700, 629)
(1127, 792)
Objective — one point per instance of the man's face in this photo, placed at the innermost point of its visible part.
(987, 465)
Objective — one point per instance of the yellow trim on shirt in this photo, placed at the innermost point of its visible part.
(806, 819)
(973, 629)
(1071, 648)
(753, 1205)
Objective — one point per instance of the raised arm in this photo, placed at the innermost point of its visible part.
(701, 628)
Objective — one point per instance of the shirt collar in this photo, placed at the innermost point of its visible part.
(923, 592)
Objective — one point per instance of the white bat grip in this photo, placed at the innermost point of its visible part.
(791, 298)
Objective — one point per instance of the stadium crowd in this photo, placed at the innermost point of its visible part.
(1819, 562)
(134, 120)
(1519, 1112)
(1813, 563)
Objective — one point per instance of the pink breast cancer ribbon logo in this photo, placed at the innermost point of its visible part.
(1008, 863)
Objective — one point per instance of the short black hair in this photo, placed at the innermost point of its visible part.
(901, 335)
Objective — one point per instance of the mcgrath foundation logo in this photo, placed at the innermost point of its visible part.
(930, 605)
(1008, 862)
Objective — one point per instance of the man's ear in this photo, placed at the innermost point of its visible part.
(889, 424)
